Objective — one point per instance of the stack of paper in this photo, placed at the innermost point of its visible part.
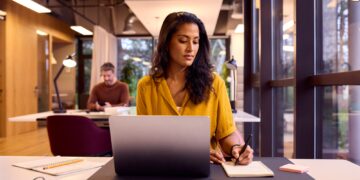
(59, 165)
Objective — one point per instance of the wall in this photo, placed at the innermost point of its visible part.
(21, 60)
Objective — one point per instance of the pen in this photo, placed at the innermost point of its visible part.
(62, 163)
(243, 148)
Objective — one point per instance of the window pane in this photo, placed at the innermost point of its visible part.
(284, 133)
(217, 58)
(134, 61)
(218, 53)
(341, 122)
(285, 65)
(341, 36)
(87, 75)
(87, 46)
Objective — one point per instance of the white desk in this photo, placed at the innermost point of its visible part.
(10, 172)
(320, 169)
(239, 117)
(330, 169)
(34, 117)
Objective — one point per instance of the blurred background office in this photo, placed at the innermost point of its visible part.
(298, 67)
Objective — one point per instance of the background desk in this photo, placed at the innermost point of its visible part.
(101, 118)
(322, 169)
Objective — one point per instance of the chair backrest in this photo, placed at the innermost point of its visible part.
(77, 136)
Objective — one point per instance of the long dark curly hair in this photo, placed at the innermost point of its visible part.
(199, 76)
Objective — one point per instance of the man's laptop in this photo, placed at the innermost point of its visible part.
(161, 145)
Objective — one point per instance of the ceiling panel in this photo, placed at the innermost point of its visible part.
(152, 13)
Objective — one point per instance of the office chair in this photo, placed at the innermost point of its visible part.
(77, 136)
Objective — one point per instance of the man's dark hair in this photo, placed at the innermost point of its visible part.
(199, 76)
(107, 67)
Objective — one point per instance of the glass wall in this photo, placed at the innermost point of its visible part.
(87, 54)
(284, 114)
(134, 61)
(285, 66)
(340, 104)
(340, 121)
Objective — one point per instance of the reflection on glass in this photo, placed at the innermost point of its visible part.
(341, 122)
(285, 65)
(87, 46)
(87, 75)
(43, 64)
(218, 53)
(284, 122)
(341, 36)
(335, 120)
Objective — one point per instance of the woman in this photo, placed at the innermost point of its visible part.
(181, 82)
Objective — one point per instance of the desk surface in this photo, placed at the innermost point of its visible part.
(239, 117)
(322, 169)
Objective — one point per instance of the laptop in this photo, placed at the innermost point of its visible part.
(161, 145)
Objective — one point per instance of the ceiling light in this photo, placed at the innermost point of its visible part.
(239, 28)
(33, 6)
(2, 13)
(129, 24)
(81, 30)
(41, 33)
(288, 25)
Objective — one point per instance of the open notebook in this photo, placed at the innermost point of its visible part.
(254, 169)
(59, 165)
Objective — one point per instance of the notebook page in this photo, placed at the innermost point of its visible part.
(254, 169)
(42, 162)
(69, 168)
(40, 165)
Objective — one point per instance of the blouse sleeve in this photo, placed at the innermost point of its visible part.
(225, 122)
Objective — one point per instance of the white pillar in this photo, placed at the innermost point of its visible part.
(354, 98)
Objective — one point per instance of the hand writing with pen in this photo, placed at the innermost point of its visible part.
(241, 154)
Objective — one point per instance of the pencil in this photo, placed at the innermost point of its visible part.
(62, 163)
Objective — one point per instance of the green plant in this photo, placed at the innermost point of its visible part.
(130, 74)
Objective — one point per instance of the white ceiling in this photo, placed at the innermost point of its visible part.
(152, 13)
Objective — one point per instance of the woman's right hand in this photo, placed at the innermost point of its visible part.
(216, 157)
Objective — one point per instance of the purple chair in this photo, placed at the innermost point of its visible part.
(77, 136)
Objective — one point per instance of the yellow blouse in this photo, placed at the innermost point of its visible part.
(154, 98)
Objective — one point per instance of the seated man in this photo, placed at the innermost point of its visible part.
(109, 93)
